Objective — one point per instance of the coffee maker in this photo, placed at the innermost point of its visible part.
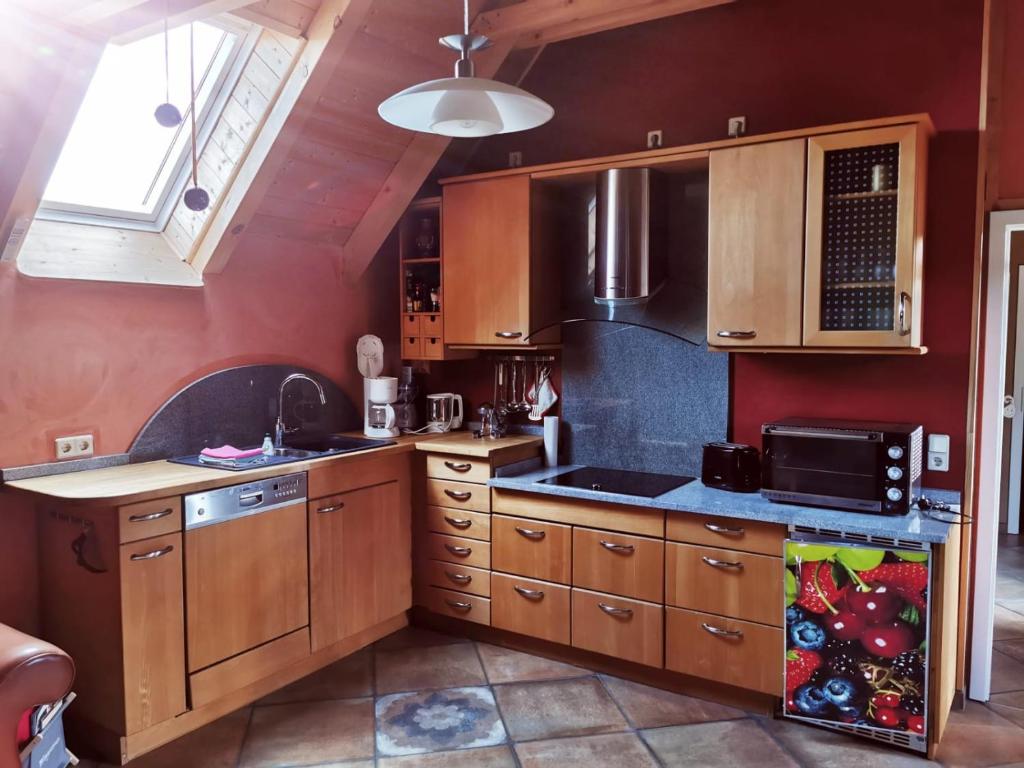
(379, 392)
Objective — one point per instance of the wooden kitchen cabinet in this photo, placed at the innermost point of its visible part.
(865, 233)
(360, 561)
(755, 244)
(498, 286)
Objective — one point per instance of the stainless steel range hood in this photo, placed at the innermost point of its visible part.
(629, 267)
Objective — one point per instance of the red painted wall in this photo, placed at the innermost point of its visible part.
(790, 64)
(1010, 120)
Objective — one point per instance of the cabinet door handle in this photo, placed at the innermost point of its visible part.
(722, 563)
(458, 467)
(508, 334)
(458, 495)
(904, 329)
(611, 610)
(458, 605)
(457, 522)
(154, 554)
(459, 551)
(331, 508)
(529, 594)
(458, 578)
(724, 530)
(717, 632)
(625, 549)
(531, 534)
(736, 334)
(150, 516)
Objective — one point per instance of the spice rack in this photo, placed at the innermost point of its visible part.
(420, 260)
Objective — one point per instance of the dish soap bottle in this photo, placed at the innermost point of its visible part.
(268, 445)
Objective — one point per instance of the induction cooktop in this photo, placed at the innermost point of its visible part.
(626, 482)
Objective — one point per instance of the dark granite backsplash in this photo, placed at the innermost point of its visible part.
(238, 406)
(638, 399)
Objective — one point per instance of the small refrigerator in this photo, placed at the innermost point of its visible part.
(856, 640)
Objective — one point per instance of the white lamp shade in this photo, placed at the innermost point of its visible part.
(465, 106)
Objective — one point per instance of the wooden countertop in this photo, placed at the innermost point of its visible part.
(136, 482)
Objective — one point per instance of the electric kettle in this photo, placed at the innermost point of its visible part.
(444, 412)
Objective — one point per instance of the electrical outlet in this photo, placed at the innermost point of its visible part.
(515, 159)
(654, 139)
(737, 126)
(74, 447)
(938, 453)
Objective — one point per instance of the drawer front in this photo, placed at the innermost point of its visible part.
(444, 467)
(725, 582)
(615, 626)
(149, 518)
(450, 493)
(411, 347)
(462, 578)
(410, 325)
(457, 605)
(726, 532)
(631, 566)
(530, 607)
(727, 650)
(459, 522)
(455, 549)
(432, 348)
(431, 325)
(592, 514)
(532, 548)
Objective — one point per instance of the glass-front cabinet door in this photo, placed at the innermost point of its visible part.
(865, 225)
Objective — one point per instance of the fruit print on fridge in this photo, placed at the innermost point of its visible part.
(857, 638)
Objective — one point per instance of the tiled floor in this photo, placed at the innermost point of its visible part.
(418, 699)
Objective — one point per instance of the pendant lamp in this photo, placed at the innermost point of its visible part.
(464, 105)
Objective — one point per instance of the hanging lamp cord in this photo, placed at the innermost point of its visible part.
(192, 100)
(167, 60)
(465, 16)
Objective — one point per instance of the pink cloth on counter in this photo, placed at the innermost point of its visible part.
(230, 452)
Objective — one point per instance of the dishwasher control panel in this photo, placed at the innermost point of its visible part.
(224, 504)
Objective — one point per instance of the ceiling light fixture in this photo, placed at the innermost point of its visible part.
(464, 105)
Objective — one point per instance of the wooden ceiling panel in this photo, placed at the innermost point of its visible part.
(355, 139)
(352, 188)
(320, 215)
(290, 17)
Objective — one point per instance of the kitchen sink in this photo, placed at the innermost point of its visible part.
(326, 445)
(296, 453)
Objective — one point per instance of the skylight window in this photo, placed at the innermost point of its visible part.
(119, 167)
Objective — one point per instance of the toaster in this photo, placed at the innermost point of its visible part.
(731, 467)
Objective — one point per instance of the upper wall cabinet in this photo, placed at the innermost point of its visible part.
(756, 244)
(865, 231)
(843, 272)
(496, 290)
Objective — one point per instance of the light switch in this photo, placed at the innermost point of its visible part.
(938, 453)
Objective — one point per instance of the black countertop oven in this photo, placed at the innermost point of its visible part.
(863, 466)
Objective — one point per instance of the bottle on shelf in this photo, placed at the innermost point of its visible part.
(435, 299)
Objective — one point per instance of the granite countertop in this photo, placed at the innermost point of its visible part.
(697, 498)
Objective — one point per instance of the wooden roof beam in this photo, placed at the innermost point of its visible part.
(146, 18)
(330, 34)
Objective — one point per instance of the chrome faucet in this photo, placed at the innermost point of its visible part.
(279, 428)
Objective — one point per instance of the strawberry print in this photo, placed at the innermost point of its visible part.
(800, 667)
(908, 580)
(818, 591)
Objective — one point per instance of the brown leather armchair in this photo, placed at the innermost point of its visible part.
(32, 672)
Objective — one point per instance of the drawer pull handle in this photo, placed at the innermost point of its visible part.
(331, 508)
(529, 594)
(508, 334)
(154, 554)
(458, 578)
(736, 334)
(611, 610)
(458, 605)
(150, 516)
(625, 549)
(459, 551)
(458, 495)
(722, 563)
(531, 534)
(458, 467)
(724, 529)
(457, 522)
(717, 632)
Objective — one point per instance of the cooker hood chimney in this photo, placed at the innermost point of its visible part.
(629, 266)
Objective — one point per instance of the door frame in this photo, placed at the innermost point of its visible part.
(1017, 423)
(1002, 225)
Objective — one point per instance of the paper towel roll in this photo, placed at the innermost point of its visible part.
(551, 441)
